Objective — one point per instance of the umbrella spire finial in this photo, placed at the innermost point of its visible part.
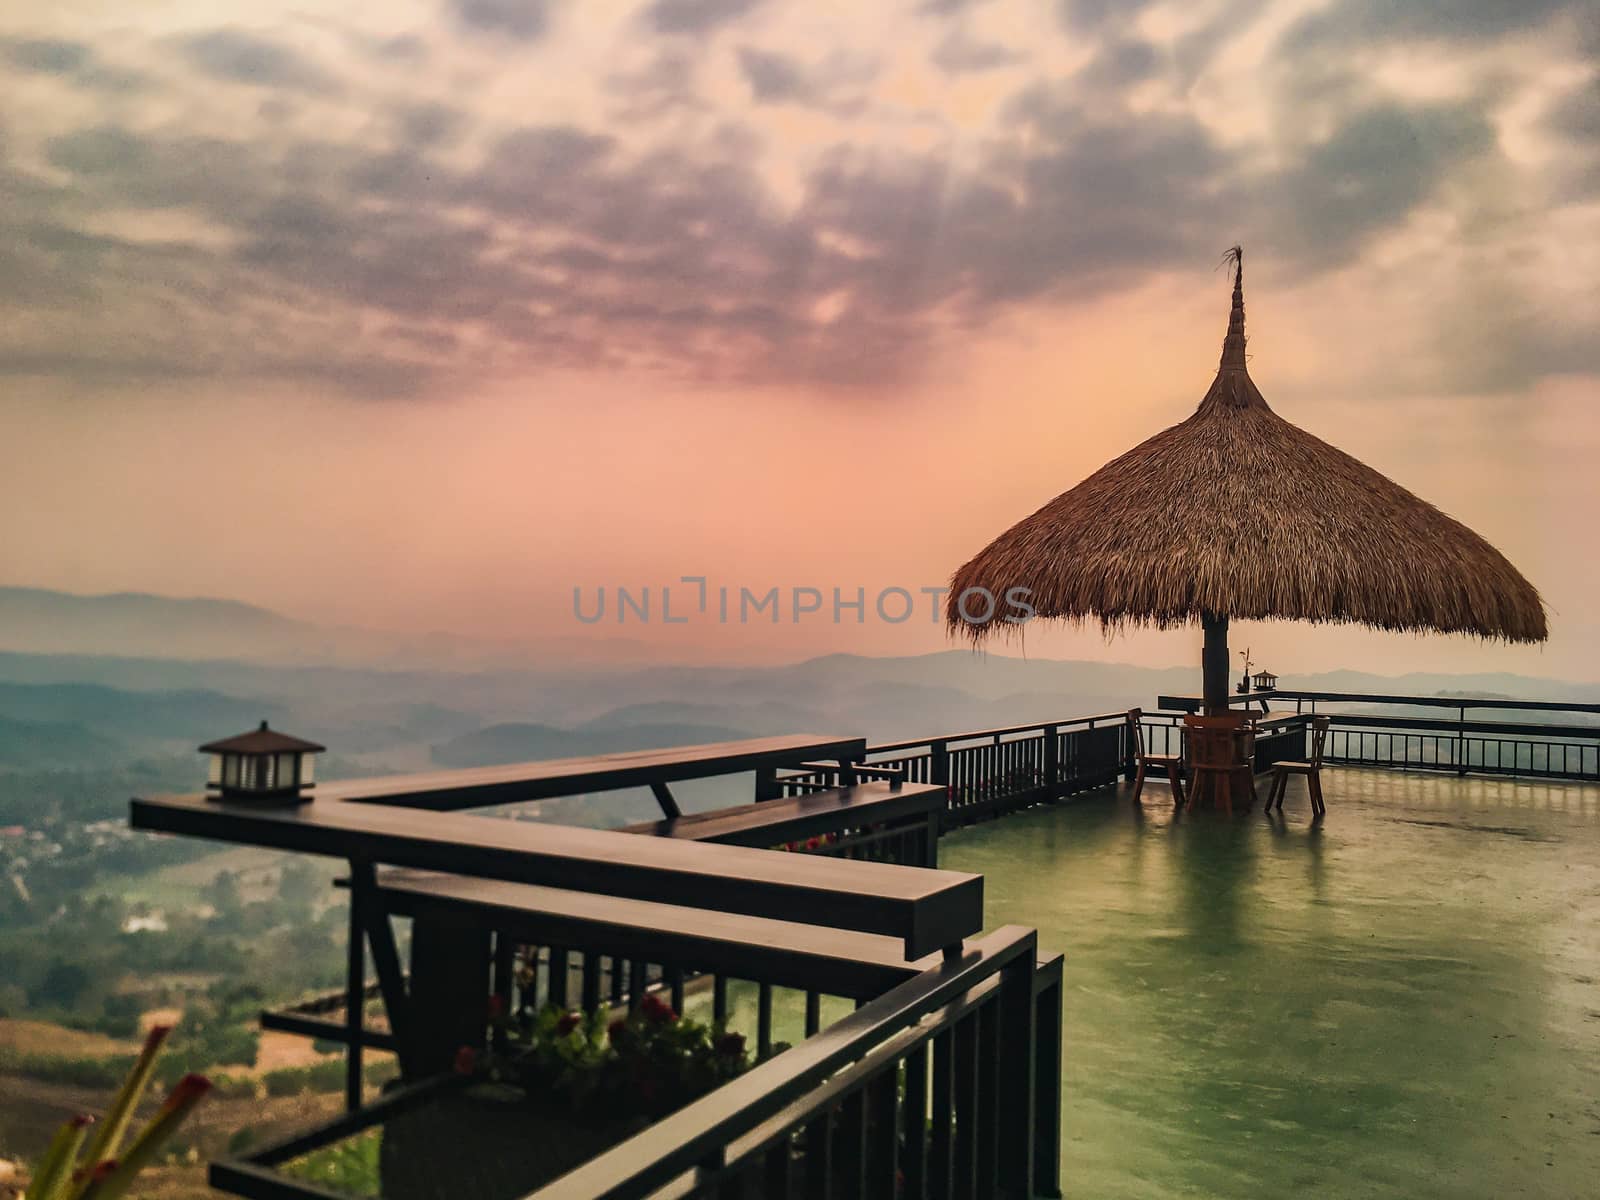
(1233, 344)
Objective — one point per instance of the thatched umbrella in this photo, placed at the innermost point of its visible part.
(1237, 513)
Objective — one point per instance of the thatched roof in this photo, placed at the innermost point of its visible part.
(1237, 513)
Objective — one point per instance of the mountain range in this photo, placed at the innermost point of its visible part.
(76, 708)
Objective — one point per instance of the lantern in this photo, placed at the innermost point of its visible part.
(261, 765)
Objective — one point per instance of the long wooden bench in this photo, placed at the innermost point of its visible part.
(840, 962)
(911, 810)
(464, 930)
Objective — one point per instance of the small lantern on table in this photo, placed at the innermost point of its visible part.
(263, 765)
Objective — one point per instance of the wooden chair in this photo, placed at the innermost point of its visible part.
(1219, 749)
(1311, 770)
(1171, 763)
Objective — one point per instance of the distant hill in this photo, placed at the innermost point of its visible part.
(140, 625)
(135, 623)
(525, 742)
(766, 718)
(52, 745)
(189, 716)
(384, 719)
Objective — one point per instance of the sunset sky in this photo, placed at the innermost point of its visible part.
(419, 314)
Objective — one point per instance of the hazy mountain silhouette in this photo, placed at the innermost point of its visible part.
(137, 624)
(521, 742)
(158, 685)
(47, 745)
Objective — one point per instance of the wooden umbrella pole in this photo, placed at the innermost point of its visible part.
(1214, 664)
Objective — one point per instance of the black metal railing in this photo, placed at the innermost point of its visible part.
(995, 771)
(1440, 733)
(945, 1087)
(944, 1082)
(991, 772)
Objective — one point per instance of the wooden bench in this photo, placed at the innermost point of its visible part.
(602, 949)
(908, 813)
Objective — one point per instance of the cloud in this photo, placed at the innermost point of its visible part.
(664, 85)
(1374, 170)
(1354, 22)
(1093, 16)
(958, 52)
(697, 16)
(386, 243)
(1574, 121)
(774, 78)
(1121, 62)
(428, 123)
(72, 60)
(523, 20)
(555, 246)
(238, 57)
(49, 55)
(835, 84)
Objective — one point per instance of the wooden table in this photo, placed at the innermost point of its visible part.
(477, 787)
(928, 909)
(917, 807)
(1193, 704)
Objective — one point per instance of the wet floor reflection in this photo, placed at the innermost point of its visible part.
(1401, 1001)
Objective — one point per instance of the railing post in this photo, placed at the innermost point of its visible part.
(1052, 763)
(1017, 1108)
(355, 993)
(1461, 741)
(939, 763)
(767, 784)
(1047, 1079)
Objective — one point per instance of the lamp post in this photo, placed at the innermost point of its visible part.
(263, 766)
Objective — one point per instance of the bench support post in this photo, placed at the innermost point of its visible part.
(450, 982)
(664, 797)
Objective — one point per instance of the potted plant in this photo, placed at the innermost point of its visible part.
(567, 1086)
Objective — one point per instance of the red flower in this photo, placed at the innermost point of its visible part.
(658, 1010)
(812, 843)
(567, 1022)
(617, 1028)
(186, 1092)
(466, 1060)
(731, 1044)
(497, 1006)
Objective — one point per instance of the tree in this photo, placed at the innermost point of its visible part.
(222, 893)
(65, 985)
(299, 885)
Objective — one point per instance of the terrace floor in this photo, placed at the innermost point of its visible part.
(1404, 1002)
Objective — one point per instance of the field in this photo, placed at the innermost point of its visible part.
(256, 874)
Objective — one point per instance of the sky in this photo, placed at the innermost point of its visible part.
(426, 314)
